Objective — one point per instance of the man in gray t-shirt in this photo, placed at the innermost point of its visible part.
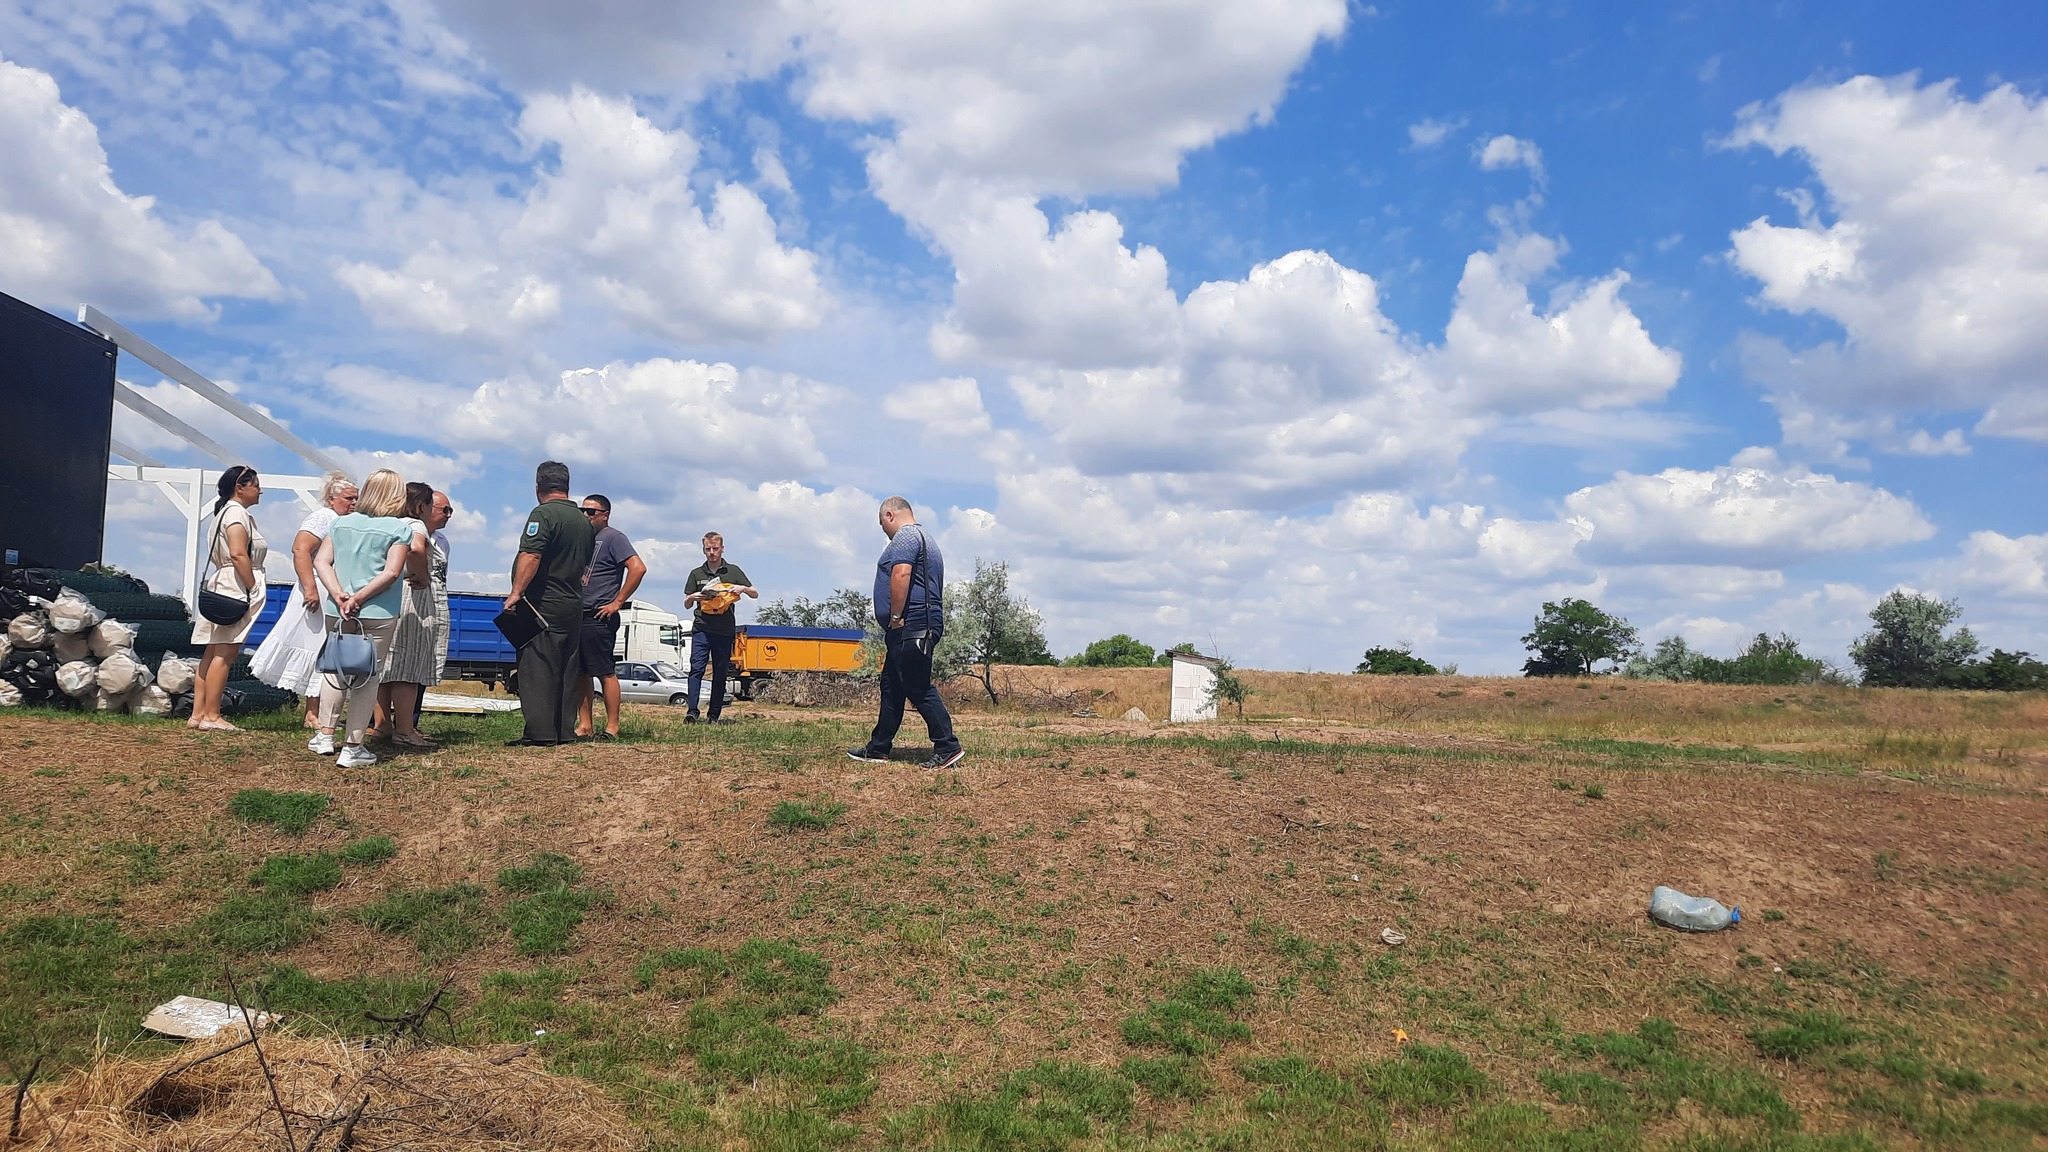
(615, 573)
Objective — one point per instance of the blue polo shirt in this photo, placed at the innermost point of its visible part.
(925, 607)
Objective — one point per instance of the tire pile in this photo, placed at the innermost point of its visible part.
(93, 641)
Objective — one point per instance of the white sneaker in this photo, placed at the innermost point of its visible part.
(322, 744)
(355, 756)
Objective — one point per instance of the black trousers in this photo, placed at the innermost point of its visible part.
(550, 688)
(716, 651)
(907, 679)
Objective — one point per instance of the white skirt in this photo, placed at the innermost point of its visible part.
(285, 659)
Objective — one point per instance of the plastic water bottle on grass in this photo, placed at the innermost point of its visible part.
(1671, 907)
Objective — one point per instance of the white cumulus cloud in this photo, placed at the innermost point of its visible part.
(68, 233)
(613, 214)
(1934, 263)
(1741, 512)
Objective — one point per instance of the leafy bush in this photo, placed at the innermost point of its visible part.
(1166, 655)
(1384, 661)
(1118, 651)
(1767, 660)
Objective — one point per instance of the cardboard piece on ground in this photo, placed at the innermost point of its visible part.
(197, 1019)
(473, 705)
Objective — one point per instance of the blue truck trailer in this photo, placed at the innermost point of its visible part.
(478, 651)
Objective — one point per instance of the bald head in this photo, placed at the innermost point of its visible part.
(895, 514)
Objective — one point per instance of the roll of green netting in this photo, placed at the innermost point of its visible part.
(256, 696)
(155, 636)
(133, 607)
(96, 584)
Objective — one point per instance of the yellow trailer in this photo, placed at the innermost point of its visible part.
(760, 651)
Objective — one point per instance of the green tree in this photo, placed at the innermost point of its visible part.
(1228, 687)
(1384, 661)
(846, 608)
(2001, 671)
(1118, 651)
(1572, 635)
(1671, 659)
(1909, 645)
(996, 625)
(1165, 658)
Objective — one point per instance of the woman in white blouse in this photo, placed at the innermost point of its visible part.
(287, 655)
(238, 553)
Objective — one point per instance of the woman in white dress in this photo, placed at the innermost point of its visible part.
(286, 657)
(238, 554)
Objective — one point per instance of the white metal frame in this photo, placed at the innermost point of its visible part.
(187, 487)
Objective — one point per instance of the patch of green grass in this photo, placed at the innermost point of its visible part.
(296, 877)
(1962, 1079)
(548, 870)
(808, 814)
(1171, 1077)
(1657, 1072)
(1641, 751)
(291, 812)
(1044, 1108)
(369, 850)
(1596, 792)
(551, 905)
(142, 863)
(339, 1005)
(442, 923)
(1194, 1017)
(735, 1028)
(1804, 1035)
(260, 922)
(1423, 1076)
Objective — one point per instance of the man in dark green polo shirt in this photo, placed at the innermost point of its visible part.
(554, 551)
(716, 622)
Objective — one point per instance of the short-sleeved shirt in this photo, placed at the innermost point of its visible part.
(608, 556)
(724, 623)
(925, 607)
(559, 532)
(224, 579)
(320, 522)
(362, 546)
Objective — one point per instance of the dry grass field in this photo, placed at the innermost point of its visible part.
(1098, 933)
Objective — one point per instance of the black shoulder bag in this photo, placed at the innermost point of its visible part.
(219, 607)
(925, 639)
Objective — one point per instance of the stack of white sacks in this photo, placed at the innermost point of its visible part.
(97, 665)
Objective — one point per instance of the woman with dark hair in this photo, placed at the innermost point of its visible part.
(237, 555)
(412, 653)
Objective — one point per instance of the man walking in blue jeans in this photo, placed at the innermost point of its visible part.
(910, 590)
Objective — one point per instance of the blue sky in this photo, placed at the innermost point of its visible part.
(1286, 328)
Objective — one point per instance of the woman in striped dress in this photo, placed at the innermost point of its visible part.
(412, 653)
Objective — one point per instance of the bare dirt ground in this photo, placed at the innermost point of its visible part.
(1890, 856)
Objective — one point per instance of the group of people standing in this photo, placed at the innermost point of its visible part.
(576, 573)
(374, 561)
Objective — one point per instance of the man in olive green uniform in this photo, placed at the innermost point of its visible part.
(554, 551)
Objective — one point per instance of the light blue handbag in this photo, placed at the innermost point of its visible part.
(349, 659)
